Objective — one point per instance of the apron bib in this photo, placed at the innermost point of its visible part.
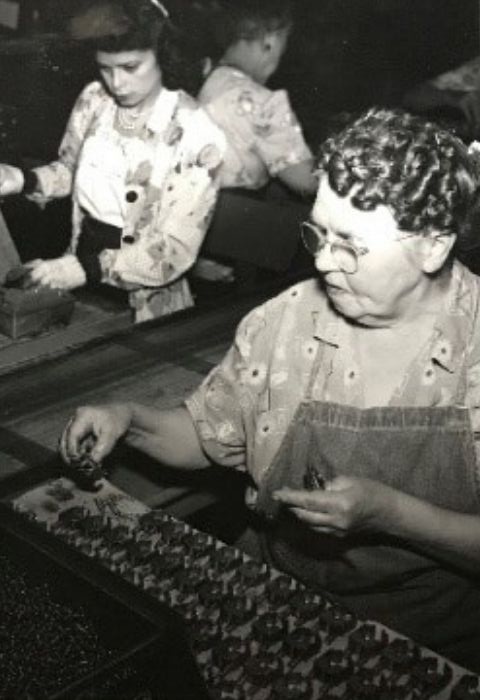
(426, 452)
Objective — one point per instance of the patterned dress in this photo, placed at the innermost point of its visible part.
(263, 134)
(245, 405)
(158, 185)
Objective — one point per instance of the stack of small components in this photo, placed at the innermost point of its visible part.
(257, 634)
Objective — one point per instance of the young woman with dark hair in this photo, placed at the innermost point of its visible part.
(140, 159)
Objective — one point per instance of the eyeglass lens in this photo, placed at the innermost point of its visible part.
(344, 255)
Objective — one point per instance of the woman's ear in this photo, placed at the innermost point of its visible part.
(436, 249)
(270, 41)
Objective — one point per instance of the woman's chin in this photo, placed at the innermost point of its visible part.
(125, 102)
(341, 300)
(346, 305)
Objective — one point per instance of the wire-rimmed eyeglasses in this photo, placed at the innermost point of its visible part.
(344, 253)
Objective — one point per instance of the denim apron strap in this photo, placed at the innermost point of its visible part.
(295, 449)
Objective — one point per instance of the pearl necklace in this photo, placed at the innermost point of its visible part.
(129, 119)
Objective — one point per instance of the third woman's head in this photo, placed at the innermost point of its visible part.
(253, 34)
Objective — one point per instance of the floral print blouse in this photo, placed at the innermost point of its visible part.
(263, 133)
(243, 408)
(165, 179)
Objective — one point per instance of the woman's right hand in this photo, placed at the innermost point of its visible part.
(11, 180)
(102, 425)
(346, 505)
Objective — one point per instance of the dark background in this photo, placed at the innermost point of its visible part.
(349, 54)
(344, 55)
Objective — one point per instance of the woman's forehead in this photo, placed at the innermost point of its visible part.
(337, 214)
(121, 58)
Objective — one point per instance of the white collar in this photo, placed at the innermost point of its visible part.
(163, 109)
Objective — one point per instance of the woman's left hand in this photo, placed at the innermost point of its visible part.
(59, 273)
(347, 504)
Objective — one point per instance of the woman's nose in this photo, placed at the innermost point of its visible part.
(116, 80)
(324, 260)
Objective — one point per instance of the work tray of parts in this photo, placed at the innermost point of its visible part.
(255, 634)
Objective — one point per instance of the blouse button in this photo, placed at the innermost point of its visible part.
(128, 239)
(131, 196)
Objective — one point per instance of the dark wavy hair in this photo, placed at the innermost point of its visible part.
(234, 20)
(114, 26)
(422, 173)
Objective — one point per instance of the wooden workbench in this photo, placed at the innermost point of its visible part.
(157, 363)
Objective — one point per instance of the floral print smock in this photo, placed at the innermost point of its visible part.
(243, 408)
(158, 186)
(263, 133)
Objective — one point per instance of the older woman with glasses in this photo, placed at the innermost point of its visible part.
(353, 400)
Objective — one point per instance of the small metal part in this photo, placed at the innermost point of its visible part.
(313, 479)
(59, 492)
(85, 471)
(19, 277)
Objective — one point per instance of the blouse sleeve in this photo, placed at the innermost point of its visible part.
(56, 178)
(223, 407)
(472, 398)
(279, 138)
(168, 236)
